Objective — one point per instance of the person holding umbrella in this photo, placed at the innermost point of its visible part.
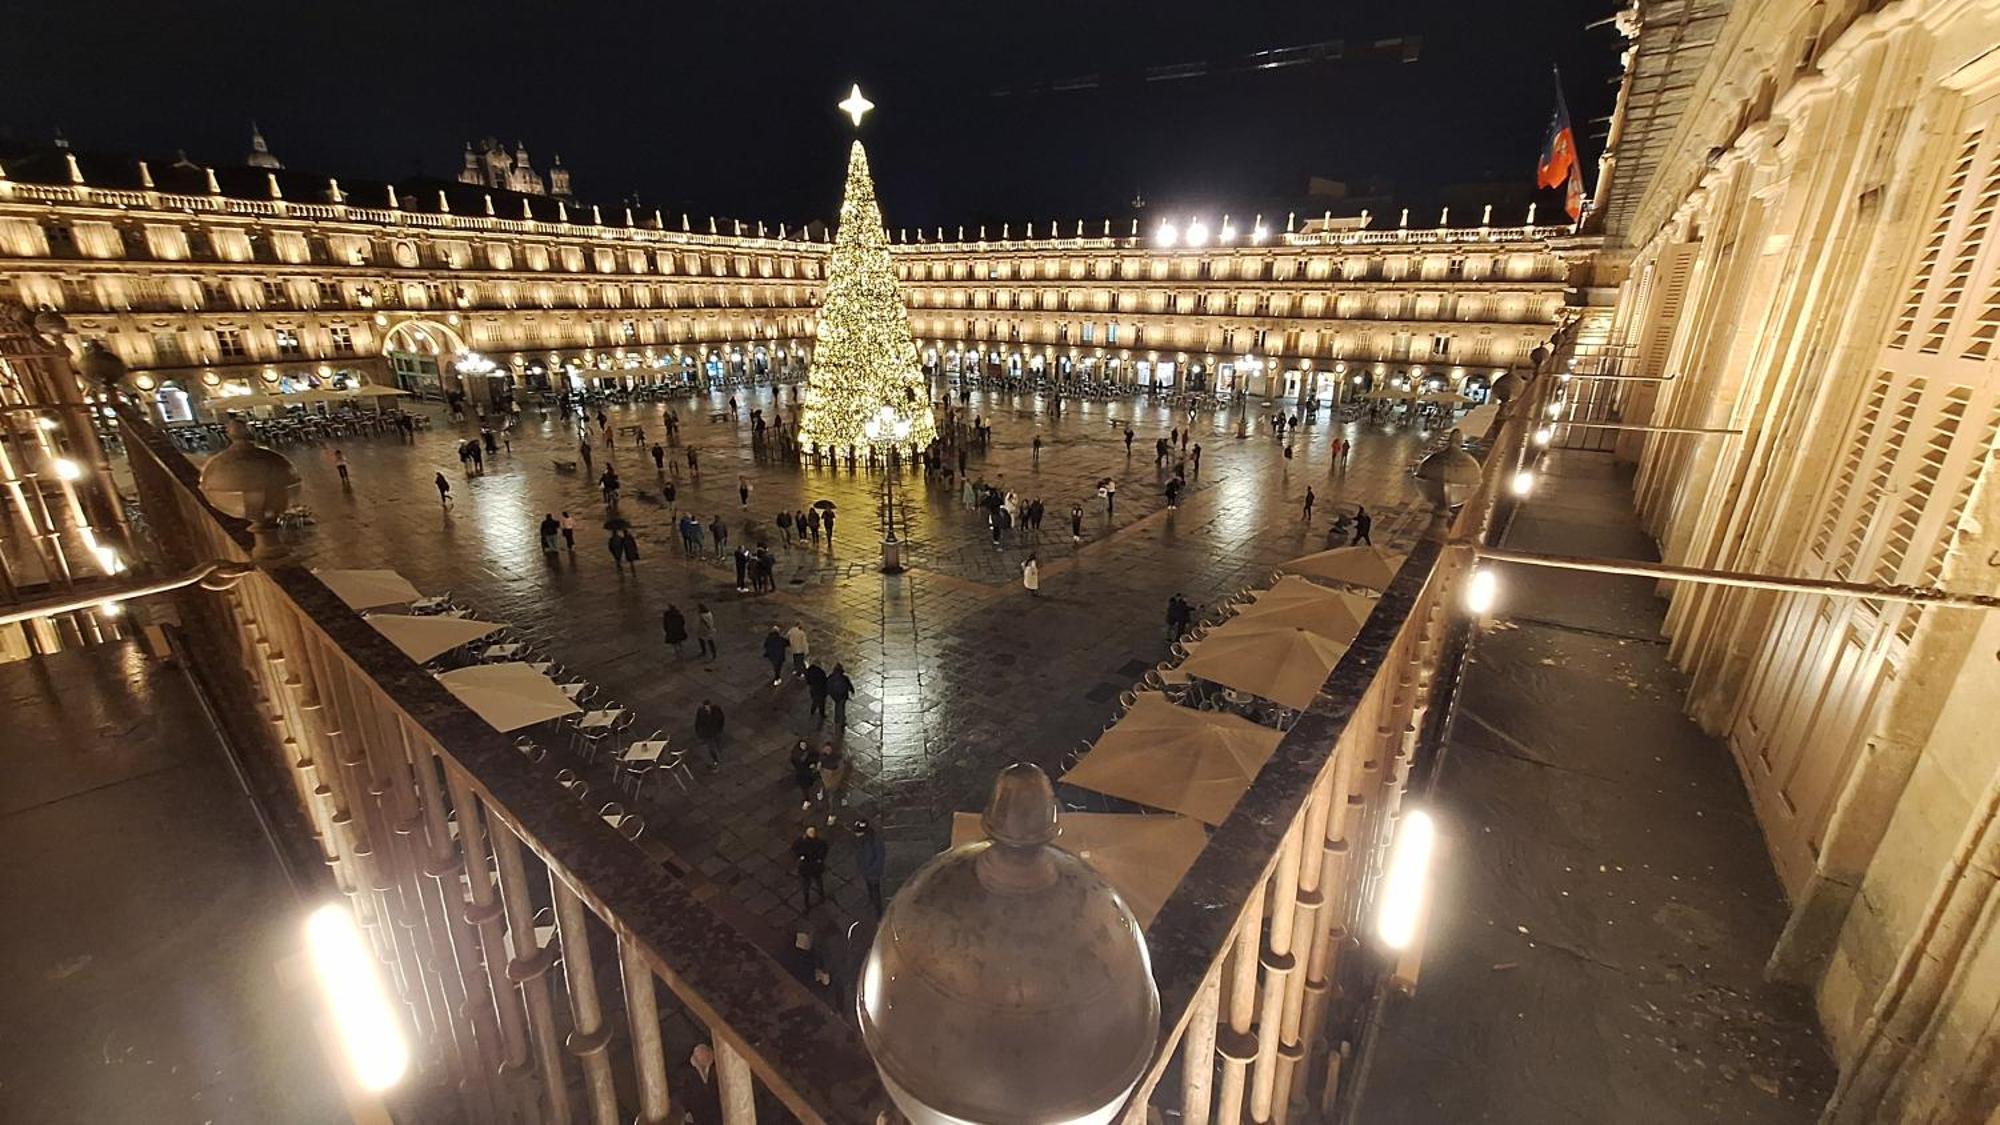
(826, 511)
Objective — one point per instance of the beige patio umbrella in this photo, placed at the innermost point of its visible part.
(369, 589)
(1371, 568)
(509, 696)
(1336, 615)
(1177, 758)
(1281, 663)
(1143, 857)
(422, 638)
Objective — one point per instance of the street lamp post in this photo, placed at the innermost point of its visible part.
(887, 431)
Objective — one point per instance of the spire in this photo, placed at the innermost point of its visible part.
(866, 359)
(260, 152)
(145, 176)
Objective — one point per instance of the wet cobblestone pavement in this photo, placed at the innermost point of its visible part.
(957, 669)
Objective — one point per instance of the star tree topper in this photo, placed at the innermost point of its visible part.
(856, 106)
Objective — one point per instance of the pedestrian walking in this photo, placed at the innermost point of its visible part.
(718, 531)
(674, 627)
(1362, 522)
(805, 773)
(708, 725)
(828, 518)
(1128, 439)
(872, 859)
(694, 463)
(1195, 457)
(704, 630)
(1309, 504)
(568, 532)
(839, 689)
(550, 528)
(816, 685)
(1179, 615)
(1110, 491)
(810, 853)
(1076, 523)
(835, 769)
(583, 451)
(659, 457)
(743, 490)
(795, 639)
(340, 466)
(775, 645)
(1031, 576)
(812, 524)
(444, 490)
(785, 526)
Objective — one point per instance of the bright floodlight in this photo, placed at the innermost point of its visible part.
(350, 979)
(46, 422)
(1565, 376)
(107, 558)
(1556, 409)
(1523, 482)
(1197, 233)
(1258, 233)
(1226, 233)
(111, 609)
(1543, 435)
(1169, 234)
(68, 469)
(1482, 590)
(1404, 888)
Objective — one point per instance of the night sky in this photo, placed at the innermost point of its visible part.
(729, 108)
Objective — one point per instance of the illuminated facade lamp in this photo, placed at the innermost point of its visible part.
(1197, 233)
(1543, 435)
(68, 469)
(1227, 234)
(1406, 880)
(1482, 592)
(1168, 235)
(1522, 483)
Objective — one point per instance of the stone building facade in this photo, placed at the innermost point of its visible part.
(212, 292)
(1810, 260)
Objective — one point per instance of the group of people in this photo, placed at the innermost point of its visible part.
(807, 524)
(472, 452)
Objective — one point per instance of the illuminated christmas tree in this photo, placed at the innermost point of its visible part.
(864, 358)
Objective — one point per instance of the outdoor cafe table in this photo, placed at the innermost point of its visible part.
(646, 751)
(502, 652)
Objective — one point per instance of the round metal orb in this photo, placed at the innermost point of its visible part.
(101, 367)
(1008, 982)
(252, 483)
(1450, 476)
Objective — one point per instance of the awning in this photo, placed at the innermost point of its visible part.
(1370, 568)
(508, 696)
(1176, 758)
(1143, 857)
(369, 589)
(1285, 665)
(422, 638)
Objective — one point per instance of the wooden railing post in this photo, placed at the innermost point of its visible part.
(530, 969)
(1235, 1043)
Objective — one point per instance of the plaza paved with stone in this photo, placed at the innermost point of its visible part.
(958, 670)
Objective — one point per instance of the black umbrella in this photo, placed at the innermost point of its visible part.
(823, 505)
(617, 523)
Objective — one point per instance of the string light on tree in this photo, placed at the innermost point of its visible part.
(865, 358)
